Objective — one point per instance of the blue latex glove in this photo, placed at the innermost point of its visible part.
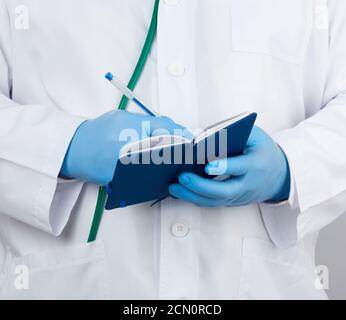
(94, 150)
(260, 175)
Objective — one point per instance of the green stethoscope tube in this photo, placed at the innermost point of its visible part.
(102, 195)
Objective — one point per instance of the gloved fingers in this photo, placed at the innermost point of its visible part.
(218, 190)
(180, 192)
(163, 125)
(236, 166)
(243, 199)
(166, 126)
(255, 135)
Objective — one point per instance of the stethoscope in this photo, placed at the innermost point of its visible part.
(142, 60)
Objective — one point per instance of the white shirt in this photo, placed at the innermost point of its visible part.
(211, 59)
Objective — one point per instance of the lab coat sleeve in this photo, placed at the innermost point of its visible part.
(33, 142)
(316, 152)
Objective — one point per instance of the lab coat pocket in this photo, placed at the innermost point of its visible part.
(278, 28)
(76, 272)
(268, 272)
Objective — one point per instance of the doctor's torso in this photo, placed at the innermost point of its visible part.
(211, 59)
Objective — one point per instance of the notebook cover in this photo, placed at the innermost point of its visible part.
(138, 183)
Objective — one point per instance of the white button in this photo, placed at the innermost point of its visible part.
(176, 69)
(171, 2)
(180, 229)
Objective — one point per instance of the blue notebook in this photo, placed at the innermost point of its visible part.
(146, 168)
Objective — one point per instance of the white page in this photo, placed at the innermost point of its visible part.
(153, 143)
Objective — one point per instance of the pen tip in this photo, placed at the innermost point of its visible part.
(109, 76)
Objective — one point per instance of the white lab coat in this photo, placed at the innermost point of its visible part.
(283, 59)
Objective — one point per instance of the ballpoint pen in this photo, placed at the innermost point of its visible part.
(130, 94)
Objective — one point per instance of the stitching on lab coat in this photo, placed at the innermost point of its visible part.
(103, 272)
(163, 259)
(157, 242)
(93, 253)
(249, 262)
(97, 260)
(243, 286)
(10, 67)
(73, 263)
(196, 234)
(264, 250)
(282, 57)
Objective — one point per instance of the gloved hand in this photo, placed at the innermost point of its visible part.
(260, 175)
(94, 150)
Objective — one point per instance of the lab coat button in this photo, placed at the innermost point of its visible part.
(176, 69)
(180, 229)
(171, 2)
